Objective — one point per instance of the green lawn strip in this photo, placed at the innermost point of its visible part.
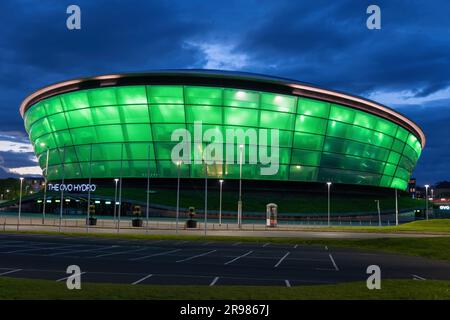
(13, 288)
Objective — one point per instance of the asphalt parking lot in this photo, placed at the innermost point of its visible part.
(209, 263)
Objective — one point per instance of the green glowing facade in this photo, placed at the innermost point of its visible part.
(128, 120)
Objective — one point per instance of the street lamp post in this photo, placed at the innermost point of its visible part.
(20, 203)
(206, 198)
(241, 147)
(396, 208)
(178, 197)
(379, 213)
(115, 199)
(220, 202)
(329, 214)
(426, 200)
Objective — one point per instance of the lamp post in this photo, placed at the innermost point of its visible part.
(329, 214)
(206, 198)
(241, 147)
(396, 208)
(20, 203)
(178, 197)
(220, 202)
(115, 199)
(379, 213)
(426, 200)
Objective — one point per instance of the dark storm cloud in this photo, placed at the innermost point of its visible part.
(322, 42)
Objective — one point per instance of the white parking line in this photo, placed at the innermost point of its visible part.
(44, 248)
(241, 256)
(11, 271)
(142, 279)
(120, 252)
(236, 244)
(72, 275)
(81, 250)
(197, 256)
(295, 247)
(288, 284)
(281, 260)
(334, 263)
(265, 244)
(214, 281)
(155, 255)
(207, 243)
(416, 277)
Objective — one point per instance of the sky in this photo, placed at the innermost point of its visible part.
(405, 64)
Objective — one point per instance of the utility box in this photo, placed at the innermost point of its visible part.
(271, 215)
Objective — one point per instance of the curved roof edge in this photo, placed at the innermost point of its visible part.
(242, 80)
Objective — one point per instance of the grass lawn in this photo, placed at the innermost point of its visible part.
(11, 288)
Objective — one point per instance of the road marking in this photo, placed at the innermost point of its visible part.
(241, 256)
(236, 244)
(334, 263)
(72, 275)
(214, 281)
(281, 260)
(11, 271)
(197, 256)
(288, 284)
(81, 250)
(207, 243)
(295, 247)
(155, 255)
(265, 244)
(325, 269)
(142, 279)
(120, 252)
(45, 248)
(416, 277)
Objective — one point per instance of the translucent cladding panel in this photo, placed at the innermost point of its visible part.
(394, 157)
(164, 150)
(34, 113)
(102, 97)
(71, 170)
(168, 169)
(410, 153)
(365, 120)
(389, 169)
(305, 158)
(163, 132)
(398, 146)
(139, 151)
(399, 183)
(57, 121)
(74, 100)
(240, 98)
(386, 127)
(402, 174)
(43, 143)
(277, 102)
(401, 134)
(52, 105)
(62, 138)
(79, 118)
(406, 163)
(281, 173)
(137, 132)
(355, 148)
(347, 176)
(303, 173)
(207, 132)
(342, 114)
(283, 156)
(241, 117)
(414, 143)
(68, 154)
(330, 160)
(39, 128)
(268, 137)
(131, 95)
(110, 133)
(308, 141)
(106, 115)
(168, 113)
(382, 140)
(310, 124)
(203, 95)
(205, 114)
(165, 94)
(277, 120)
(84, 135)
(310, 107)
(385, 181)
(132, 168)
(100, 152)
(137, 113)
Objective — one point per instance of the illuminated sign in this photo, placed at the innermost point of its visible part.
(444, 207)
(72, 187)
